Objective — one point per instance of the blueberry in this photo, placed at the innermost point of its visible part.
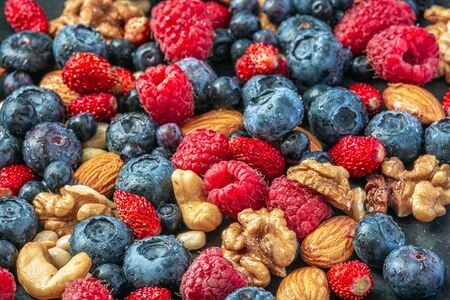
(163, 152)
(27, 51)
(240, 5)
(322, 9)
(400, 133)
(156, 261)
(84, 126)
(15, 80)
(130, 151)
(134, 127)
(148, 176)
(8, 255)
(201, 75)
(18, 221)
(10, 148)
(273, 114)
(238, 48)
(112, 276)
(130, 102)
(49, 142)
(77, 38)
(266, 36)
(317, 57)
(222, 43)
(250, 292)
(376, 236)
(239, 133)
(278, 10)
(103, 238)
(225, 92)
(414, 272)
(337, 112)
(290, 28)
(170, 216)
(257, 85)
(57, 175)
(244, 24)
(342, 4)
(361, 68)
(294, 145)
(169, 136)
(320, 156)
(147, 55)
(413, 5)
(436, 136)
(18, 116)
(30, 189)
(120, 52)
(312, 93)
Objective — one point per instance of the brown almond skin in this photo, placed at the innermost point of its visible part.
(330, 243)
(308, 283)
(414, 100)
(221, 121)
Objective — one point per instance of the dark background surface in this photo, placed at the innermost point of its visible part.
(434, 235)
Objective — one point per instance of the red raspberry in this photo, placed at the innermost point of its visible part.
(210, 276)
(407, 54)
(362, 21)
(166, 94)
(7, 285)
(126, 78)
(219, 14)
(138, 213)
(86, 289)
(137, 30)
(201, 149)
(150, 293)
(103, 106)
(182, 29)
(259, 155)
(359, 155)
(370, 96)
(260, 59)
(26, 15)
(446, 102)
(234, 186)
(13, 177)
(303, 208)
(87, 73)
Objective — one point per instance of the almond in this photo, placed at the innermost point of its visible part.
(309, 283)
(221, 121)
(330, 243)
(414, 100)
(53, 81)
(100, 173)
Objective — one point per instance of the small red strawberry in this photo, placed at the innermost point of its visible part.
(126, 78)
(370, 96)
(446, 102)
(103, 106)
(138, 213)
(137, 30)
(259, 155)
(360, 155)
(26, 15)
(7, 285)
(350, 280)
(13, 177)
(150, 293)
(260, 59)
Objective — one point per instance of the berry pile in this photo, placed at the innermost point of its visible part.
(274, 127)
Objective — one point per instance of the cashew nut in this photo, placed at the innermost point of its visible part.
(60, 257)
(89, 153)
(192, 240)
(99, 139)
(63, 243)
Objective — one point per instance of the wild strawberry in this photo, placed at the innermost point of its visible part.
(137, 30)
(370, 96)
(446, 102)
(126, 79)
(26, 15)
(13, 177)
(103, 106)
(150, 293)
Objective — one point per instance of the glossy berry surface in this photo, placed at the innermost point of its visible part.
(277, 10)
(312, 93)
(244, 24)
(265, 36)
(225, 92)
(238, 48)
(130, 102)
(84, 126)
(170, 216)
(437, 135)
(130, 151)
(120, 52)
(147, 55)
(255, 293)
(361, 68)
(320, 156)
(30, 189)
(223, 40)
(169, 136)
(111, 276)
(240, 5)
(254, 88)
(15, 80)
(8, 255)
(57, 175)
(10, 148)
(294, 145)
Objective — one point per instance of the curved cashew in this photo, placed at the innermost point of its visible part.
(40, 278)
(196, 212)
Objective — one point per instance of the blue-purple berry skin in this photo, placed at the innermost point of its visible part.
(169, 136)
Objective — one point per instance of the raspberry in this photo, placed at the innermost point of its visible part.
(359, 155)
(7, 285)
(26, 15)
(13, 177)
(201, 149)
(87, 73)
(260, 59)
(303, 208)
(219, 14)
(258, 155)
(361, 22)
(182, 29)
(210, 276)
(103, 106)
(234, 186)
(137, 30)
(150, 293)
(446, 102)
(86, 289)
(138, 213)
(370, 96)
(407, 54)
(126, 78)
(166, 94)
